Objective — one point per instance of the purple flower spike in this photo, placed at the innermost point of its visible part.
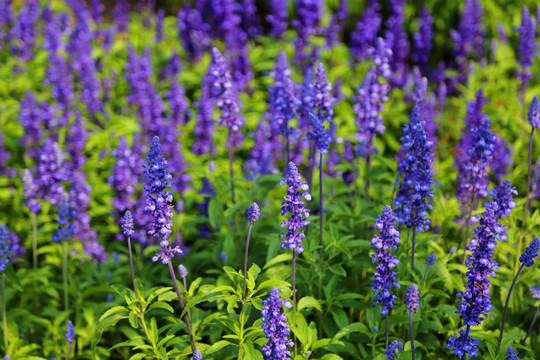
(7, 248)
(534, 113)
(70, 332)
(276, 330)
(527, 258)
(66, 216)
(253, 213)
(124, 176)
(390, 352)
(422, 40)
(431, 259)
(527, 47)
(294, 204)
(193, 32)
(511, 354)
(282, 101)
(197, 355)
(158, 201)
(182, 271)
(385, 270)
(127, 224)
(365, 34)
(411, 297)
(30, 191)
(278, 17)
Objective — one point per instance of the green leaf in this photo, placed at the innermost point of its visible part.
(217, 346)
(309, 302)
(278, 259)
(161, 305)
(133, 320)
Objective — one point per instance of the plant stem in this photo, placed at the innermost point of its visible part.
(526, 210)
(425, 275)
(231, 164)
(4, 320)
(532, 323)
(131, 266)
(294, 293)
(506, 306)
(69, 351)
(366, 180)
(65, 274)
(34, 240)
(246, 260)
(321, 210)
(186, 318)
(386, 330)
(413, 246)
(411, 333)
(287, 150)
(154, 347)
(468, 228)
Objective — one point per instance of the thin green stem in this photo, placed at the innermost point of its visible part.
(246, 259)
(294, 294)
(532, 323)
(413, 246)
(68, 350)
(321, 210)
(506, 306)
(131, 266)
(244, 295)
(386, 330)
(411, 334)
(34, 240)
(152, 342)
(65, 274)
(186, 318)
(4, 320)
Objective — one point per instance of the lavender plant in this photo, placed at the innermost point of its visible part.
(275, 327)
(7, 250)
(411, 301)
(534, 120)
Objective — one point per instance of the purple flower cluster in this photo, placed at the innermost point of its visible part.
(534, 113)
(24, 31)
(411, 297)
(65, 220)
(472, 170)
(282, 101)
(413, 199)
(527, 258)
(365, 34)
(278, 17)
(123, 178)
(193, 32)
(32, 116)
(321, 110)
(394, 346)
(476, 301)
(30, 189)
(385, 270)
(157, 201)
(511, 354)
(7, 248)
(224, 91)
(370, 98)
(307, 23)
(294, 204)
(265, 150)
(51, 172)
(527, 46)
(276, 330)
(397, 40)
(127, 224)
(253, 212)
(422, 40)
(70, 332)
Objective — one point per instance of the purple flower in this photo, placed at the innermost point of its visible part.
(204, 128)
(24, 30)
(394, 346)
(159, 25)
(123, 178)
(413, 199)
(536, 291)
(278, 17)
(6, 16)
(31, 117)
(370, 98)
(294, 204)
(423, 39)
(396, 39)
(411, 297)
(470, 36)
(249, 18)
(307, 23)
(197, 355)
(157, 201)
(265, 150)
(30, 189)
(276, 330)
(70, 332)
(96, 10)
(431, 259)
(253, 212)
(120, 14)
(182, 271)
(365, 34)
(51, 172)
(65, 220)
(172, 69)
(282, 101)
(527, 258)
(7, 248)
(511, 354)
(475, 301)
(127, 224)
(534, 113)
(385, 270)
(224, 91)
(527, 47)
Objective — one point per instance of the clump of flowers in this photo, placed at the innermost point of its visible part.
(390, 352)
(385, 270)
(294, 204)
(65, 220)
(7, 248)
(274, 324)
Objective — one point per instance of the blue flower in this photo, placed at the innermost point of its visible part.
(253, 212)
(411, 297)
(527, 258)
(394, 346)
(511, 354)
(274, 324)
(70, 332)
(7, 247)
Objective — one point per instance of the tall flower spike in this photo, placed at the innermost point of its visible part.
(431, 259)
(390, 352)
(7, 248)
(534, 113)
(278, 17)
(65, 220)
(197, 355)
(70, 332)
(294, 204)
(475, 301)
(411, 298)
(365, 34)
(385, 270)
(422, 40)
(276, 330)
(253, 212)
(127, 224)
(527, 258)
(527, 46)
(511, 354)
(158, 201)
